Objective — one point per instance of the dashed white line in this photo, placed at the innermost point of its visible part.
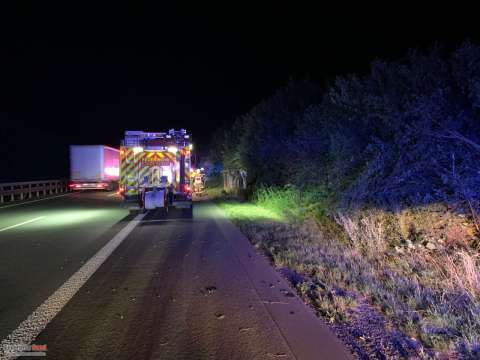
(30, 328)
(22, 223)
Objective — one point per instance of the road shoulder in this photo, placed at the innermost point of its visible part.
(307, 336)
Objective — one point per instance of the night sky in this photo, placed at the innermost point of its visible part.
(83, 75)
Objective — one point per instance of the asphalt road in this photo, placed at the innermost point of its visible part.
(38, 256)
(176, 288)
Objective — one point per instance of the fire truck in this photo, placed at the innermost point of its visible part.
(155, 169)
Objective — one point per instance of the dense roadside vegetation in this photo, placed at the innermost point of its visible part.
(369, 192)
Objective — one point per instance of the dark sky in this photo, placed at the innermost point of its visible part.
(80, 74)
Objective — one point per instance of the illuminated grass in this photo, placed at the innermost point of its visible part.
(292, 201)
(282, 205)
(251, 212)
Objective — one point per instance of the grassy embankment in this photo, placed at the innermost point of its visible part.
(418, 267)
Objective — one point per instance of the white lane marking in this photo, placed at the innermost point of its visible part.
(165, 220)
(32, 201)
(22, 223)
(30, 328)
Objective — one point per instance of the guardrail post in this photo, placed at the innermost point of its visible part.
(10, 192)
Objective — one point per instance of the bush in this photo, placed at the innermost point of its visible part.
(407, 134)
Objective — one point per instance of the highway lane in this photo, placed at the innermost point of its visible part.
(43, 243)
(187, 288)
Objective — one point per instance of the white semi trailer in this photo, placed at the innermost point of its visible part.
(94, 167)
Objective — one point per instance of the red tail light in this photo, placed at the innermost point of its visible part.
(187, 188)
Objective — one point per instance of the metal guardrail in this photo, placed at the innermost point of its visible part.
(19, 191)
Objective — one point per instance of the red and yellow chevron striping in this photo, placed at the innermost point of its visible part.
(134, 167)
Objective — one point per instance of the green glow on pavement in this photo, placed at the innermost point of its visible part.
(59, 218)
(251, 212)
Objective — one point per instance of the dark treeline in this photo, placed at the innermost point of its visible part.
(405, 134)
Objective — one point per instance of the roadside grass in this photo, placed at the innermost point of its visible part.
(251, 212)
(214, 192)
(296, 205)
(432, 294)
(214, 186)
